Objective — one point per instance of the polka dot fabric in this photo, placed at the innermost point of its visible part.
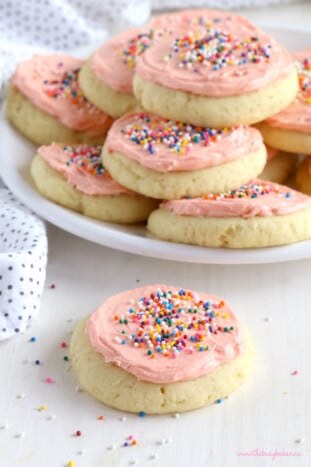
(23, 257)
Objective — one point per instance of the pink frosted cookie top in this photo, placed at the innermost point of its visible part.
(51, 83)
(215, 62)
(203, 18)
(257, 198)
(168, 146)
(114, 62)
(165, 334)
(82, 167)
(297, 116)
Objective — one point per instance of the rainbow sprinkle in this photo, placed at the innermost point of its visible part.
(216, 49)
(205, 21)
(179, 137)
(170, 322)
(250, 191)
(304, 78)
(67, 87)
(86, 157)
(138, 44)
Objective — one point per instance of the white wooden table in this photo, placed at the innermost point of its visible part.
(41, 408)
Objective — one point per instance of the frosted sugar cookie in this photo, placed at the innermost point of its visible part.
(165, 159)
(45, 102)
(290, 129)
(303, 176)
(161, 349)
(258, 214)
(279, 165)
(107, 77)
(74, 177)
(216, 78)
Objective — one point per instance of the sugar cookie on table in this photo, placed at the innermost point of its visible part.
(290, 129)
(258, 214)
(160, 349)
(165, 159)
(216, 78)
(279, 165)
(303, 176)
(45, 102)
(74, 177)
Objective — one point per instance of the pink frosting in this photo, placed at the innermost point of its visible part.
(258, 198)
(297, 116)
(211, 63)
(82, 168)
(204, 18)
(167, 332)
(51, 83)
(171, 146)
(114, 62)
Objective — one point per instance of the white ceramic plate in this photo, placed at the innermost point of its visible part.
(15, 157)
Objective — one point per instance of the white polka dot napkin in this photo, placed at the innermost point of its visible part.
(23, 257)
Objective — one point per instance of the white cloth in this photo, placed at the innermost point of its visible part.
(23, 256)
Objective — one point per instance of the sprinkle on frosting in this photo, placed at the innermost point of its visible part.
(178, 137)
(251, 191)
(257, 198)
(304, 77)
(82, 167)
(216, 49)
(138, 44)
(87, 158)
(66, 86)
(170, 322)
(207, 22)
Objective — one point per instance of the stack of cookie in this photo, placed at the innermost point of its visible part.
(46, 104)
(192, 146)
(185, 90)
